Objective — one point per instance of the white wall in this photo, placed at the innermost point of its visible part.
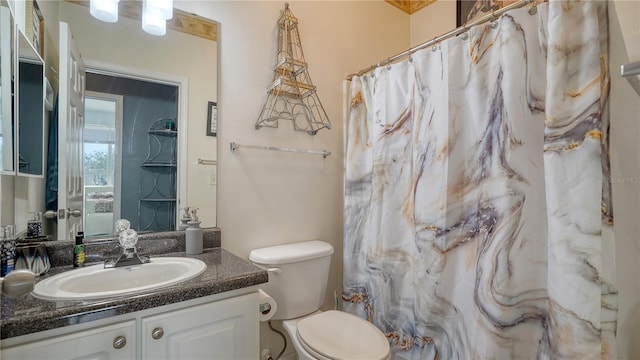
(433, 20)
(267, 197)
(628, 12)
(29, 197)
(624, 17)
(7, 191)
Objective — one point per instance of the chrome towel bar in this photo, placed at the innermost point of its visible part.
(233, 146)
(207, 162)
(630, 69)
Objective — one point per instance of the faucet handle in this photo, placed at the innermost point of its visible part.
(121, 225)
(128, 239)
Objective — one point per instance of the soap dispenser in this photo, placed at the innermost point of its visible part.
(185, 218)
(193, 234)
(79, 254)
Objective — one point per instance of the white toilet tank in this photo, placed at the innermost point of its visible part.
(298, 275)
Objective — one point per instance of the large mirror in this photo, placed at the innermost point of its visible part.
(7, 44)
(138, 86)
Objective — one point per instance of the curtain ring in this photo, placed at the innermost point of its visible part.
(494, 20)
(533, 9)
(464, 35)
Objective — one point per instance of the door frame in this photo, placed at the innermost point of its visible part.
(108, 69)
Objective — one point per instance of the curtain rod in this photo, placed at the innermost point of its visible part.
(457, 31)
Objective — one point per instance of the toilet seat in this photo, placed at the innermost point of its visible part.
(335, 335)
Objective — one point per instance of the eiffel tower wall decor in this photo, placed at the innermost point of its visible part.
(292, 95)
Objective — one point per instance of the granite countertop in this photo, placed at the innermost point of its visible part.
(225, 272)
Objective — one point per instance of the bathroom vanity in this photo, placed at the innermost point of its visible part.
(214, 315)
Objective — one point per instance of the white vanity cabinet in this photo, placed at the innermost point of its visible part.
(115, 341)
(214, 327)
(219, 330)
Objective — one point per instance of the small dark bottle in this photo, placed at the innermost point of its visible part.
(79, 255)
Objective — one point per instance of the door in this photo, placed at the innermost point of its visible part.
(117, 341)
(225, 329)
(70, 136)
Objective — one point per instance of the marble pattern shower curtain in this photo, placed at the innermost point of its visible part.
(478, 222)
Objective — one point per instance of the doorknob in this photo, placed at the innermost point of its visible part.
(74, 212)
(61, 213)
(50, 214)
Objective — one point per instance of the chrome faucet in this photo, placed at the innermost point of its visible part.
(128, 257)
(127, 238)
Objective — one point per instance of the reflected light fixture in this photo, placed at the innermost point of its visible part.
(105, 10)
(153, 22)
(155, 14)
(164, 6)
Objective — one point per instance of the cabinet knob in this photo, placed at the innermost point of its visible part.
(157, 333)
(119, 342)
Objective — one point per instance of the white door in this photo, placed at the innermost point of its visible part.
(70, 125)
(225, 329)
(116, 341)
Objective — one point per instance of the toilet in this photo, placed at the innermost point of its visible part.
(298, 275)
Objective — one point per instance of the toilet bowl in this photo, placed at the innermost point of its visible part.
(335, 335)
(298, 275)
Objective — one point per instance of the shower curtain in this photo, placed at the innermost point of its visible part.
(478, 222)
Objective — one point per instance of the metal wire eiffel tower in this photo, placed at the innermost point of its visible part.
(292, 95)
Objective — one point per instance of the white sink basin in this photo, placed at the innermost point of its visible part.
(96, 282)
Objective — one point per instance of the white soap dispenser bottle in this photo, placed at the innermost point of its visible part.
(193, 235)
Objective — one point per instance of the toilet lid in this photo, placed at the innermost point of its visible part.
(340, 335)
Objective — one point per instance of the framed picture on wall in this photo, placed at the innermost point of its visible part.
(212, 119)
(470, 10)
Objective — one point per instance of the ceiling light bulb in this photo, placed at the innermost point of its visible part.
(104, 10)
(164, 6)
(153, 20)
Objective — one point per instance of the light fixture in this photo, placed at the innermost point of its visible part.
(155, 14)
(105, 10)
(153, 22)
(165, 7)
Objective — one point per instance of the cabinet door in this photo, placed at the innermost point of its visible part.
(226, 329)
(106, 342)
